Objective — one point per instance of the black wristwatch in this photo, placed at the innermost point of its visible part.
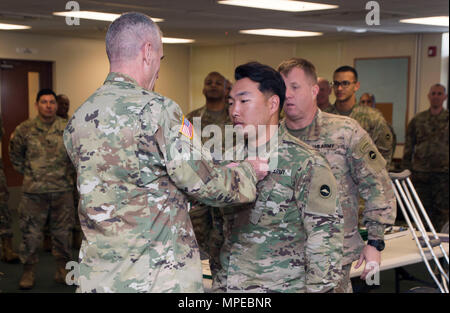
(377, 244)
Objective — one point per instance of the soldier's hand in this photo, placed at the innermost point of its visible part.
(371, 256)
(260, 166)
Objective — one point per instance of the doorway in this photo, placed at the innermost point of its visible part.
(20, 82)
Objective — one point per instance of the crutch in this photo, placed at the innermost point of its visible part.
(403, 188)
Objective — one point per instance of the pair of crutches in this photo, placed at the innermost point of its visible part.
(407, 196)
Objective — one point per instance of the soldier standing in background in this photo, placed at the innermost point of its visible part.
(345, 85)
(290, 239)
(37, 151)
(356, 163)
(63, 111)
(63, 106)
(207, 221)
(368, 99)
(426, 155)
(6, 234)
(323, 97)
(132, 149)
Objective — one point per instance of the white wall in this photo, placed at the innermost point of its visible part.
(80, 65)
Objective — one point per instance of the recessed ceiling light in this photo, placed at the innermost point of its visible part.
(351, 29)
(280, 5)
(279, 32)
(99, 16)
(432, 20)
(13, 26)
(176, 40)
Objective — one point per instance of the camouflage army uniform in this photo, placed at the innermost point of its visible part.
(128, 145)
(359, 171)
(291, 238)
(331, 109)
(37, 151)
(426, 154)
(5, 215)
(207, 221)
(373, 122)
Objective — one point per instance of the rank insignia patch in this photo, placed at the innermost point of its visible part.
(325, 191)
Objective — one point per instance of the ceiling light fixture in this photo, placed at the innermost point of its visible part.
(351, 29)
(13, 26)
(98, 16)
(176, 40)
(279, 32)
(432, 20)
(280, 5)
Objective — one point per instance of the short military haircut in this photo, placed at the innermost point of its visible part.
(217, 74)
(370, 95)
(308, 68)
(62, 97)
(43, 92)
(270, 81)
(127, 34)
(347, 68)
(440, 85)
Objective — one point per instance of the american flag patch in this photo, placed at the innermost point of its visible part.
(187, 129)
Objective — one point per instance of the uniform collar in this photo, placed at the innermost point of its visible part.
(442, 113)
(271, 146)
(115, 77)
(43, 126)
(310, 132)
(348, 112)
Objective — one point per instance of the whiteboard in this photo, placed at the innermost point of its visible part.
(388, 79)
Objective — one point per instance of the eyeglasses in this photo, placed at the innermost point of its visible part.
(344, 84)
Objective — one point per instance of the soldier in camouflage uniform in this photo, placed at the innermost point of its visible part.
(63, 106)
(368, 99)
(290, 239)
(63, 111)
(356, 163)
(136, 163)
(6, 234)
(207, 221)
(345, 85)
(37, 151)
(323, 97)
(426, 155)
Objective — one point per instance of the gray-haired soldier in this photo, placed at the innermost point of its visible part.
(132, 149)
(426, 155)
(354, 159)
